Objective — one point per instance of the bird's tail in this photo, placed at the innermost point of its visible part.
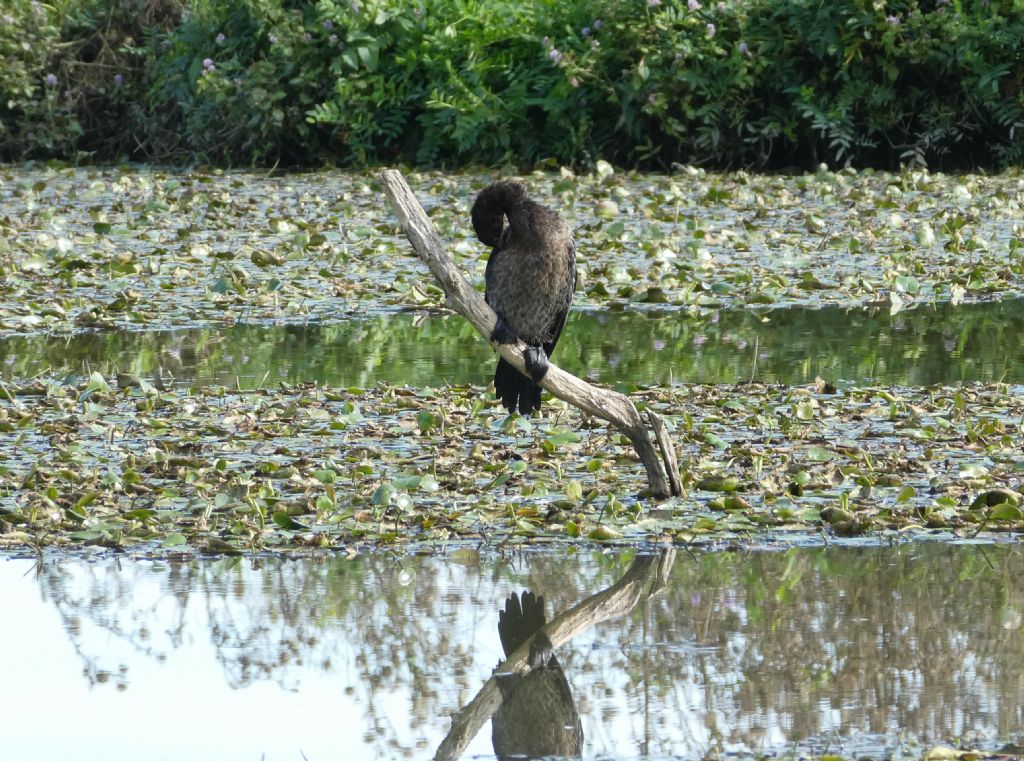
(515, 389)
(520, 620)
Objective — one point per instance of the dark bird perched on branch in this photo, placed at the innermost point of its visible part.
(537, 717)
(531, 276)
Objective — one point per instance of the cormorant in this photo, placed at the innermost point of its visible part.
(537, 717)
(530, 277)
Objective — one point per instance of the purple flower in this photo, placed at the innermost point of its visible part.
(555, 55)
(658, 345)
(744, 49)
(893, 20)
(208, 64)
(333, 39)
(653, 3)
(51, 80)
(711, 30)
(328, 25)
(652, 98)
(693, 5)
(221, 38)
(118, 80)
(597, 23)
(272, 37)
(585, 31)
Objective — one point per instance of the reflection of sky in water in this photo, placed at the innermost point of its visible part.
(153, 660)
(178, 707)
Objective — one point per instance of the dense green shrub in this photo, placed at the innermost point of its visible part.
(31, 93)
(452, 81)
(764, 83)
(72, 76)
(238, 78)
(899, 82)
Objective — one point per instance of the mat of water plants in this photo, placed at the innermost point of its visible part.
(140, 248)
(119, 463)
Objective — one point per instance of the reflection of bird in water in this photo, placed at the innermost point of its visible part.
(537, 716)
(531, 275)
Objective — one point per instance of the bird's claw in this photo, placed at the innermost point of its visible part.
(536, 362)
(502, 333)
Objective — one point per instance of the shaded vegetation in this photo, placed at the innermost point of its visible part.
(646, 82)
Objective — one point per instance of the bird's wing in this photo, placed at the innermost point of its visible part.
(491, 262)
(558, 323)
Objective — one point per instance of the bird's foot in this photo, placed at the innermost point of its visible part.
(502, 333)
(541, 650)
(536, 362)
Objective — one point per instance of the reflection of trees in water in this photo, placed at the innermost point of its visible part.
(814, 643)
(109, 601)
(739, 650)
(926, 345)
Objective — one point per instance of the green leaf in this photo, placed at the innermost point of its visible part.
(426, 421)
(384, 495)
(285, 521)
(604, 532)
(564, 437)
(574, 491)
(1006, 511)
(326, 476)
(96, 383)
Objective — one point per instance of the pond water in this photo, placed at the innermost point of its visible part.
(870, 652)
(923, 346)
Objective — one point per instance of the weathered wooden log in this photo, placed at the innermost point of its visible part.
(612, 406)
(646, 575)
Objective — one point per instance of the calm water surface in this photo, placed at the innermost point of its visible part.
(870, 652)
(923, 346)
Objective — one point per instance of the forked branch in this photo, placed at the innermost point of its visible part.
(616, 408)
(647, 575)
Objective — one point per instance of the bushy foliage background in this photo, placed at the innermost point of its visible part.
(762, 83)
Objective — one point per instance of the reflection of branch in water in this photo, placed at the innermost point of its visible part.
(647, 575)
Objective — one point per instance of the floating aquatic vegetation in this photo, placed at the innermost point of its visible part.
(119, 463)
(142, 248)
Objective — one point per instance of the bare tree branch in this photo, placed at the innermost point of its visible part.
(612, 406)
